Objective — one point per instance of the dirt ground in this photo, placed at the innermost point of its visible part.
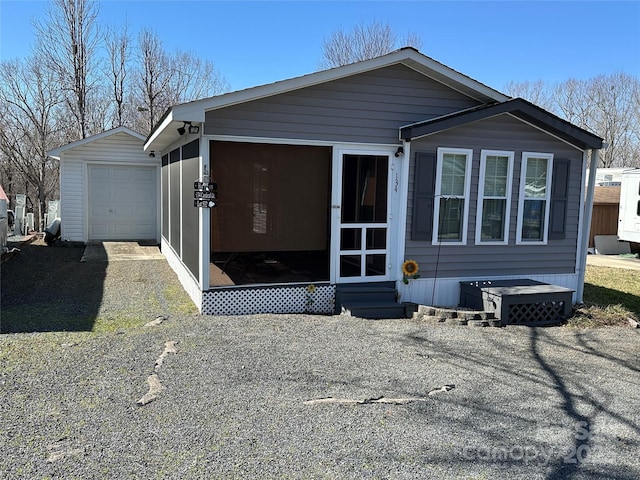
(292, 396)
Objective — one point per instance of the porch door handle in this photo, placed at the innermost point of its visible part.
(335, 206)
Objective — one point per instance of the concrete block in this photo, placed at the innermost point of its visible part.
(610, 245)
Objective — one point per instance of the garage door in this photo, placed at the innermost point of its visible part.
(122, 202)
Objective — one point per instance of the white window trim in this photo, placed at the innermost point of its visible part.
(523, 177)
(467, 187)
(507, 214)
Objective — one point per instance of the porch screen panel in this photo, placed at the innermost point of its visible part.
(270, 197)
(165, 196)
(190, 214)
(174, 200)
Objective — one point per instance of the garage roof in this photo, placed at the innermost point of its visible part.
(56, 152)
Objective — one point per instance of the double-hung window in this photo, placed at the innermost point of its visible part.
(535, 194)
(452, 195)
(494, 197)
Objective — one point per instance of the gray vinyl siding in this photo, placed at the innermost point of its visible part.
(498, 133)
(190, 217)
(364, 108)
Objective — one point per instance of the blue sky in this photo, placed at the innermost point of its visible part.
(253, 43)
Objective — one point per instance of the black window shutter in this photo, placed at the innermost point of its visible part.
(423, 196)
(559, 194)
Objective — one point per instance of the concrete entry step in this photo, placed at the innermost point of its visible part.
(119, 251)
(374, 310)
(369, 300)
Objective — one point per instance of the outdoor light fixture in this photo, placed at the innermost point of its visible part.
(399, 151)
(152, 154)
(192, 128)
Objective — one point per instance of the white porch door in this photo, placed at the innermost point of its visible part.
(361, 204)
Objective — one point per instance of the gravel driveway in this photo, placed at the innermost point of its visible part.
(297, 396)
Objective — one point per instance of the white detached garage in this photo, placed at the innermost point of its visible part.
(109, 188)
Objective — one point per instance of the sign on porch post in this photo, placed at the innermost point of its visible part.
(205, 194)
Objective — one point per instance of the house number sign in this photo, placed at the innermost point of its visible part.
(205, 194)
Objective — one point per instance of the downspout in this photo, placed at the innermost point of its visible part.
(402, 184)
(586, 225)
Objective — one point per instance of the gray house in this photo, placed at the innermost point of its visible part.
(313, 188)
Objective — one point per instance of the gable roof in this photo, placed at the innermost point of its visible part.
(56, 152)
(519, 108)
(162, 135)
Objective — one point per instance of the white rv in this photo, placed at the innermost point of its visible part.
(629, 216)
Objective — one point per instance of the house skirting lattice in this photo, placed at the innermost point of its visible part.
(269, 299)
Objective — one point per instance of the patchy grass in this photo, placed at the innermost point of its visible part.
(179, 300)
(120, 320)
(611, 295)
(15, 350)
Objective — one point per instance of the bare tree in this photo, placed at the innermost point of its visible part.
(29, 99)
(614, 116)
(607, 105)
(570, 100)
(66, 92)
(153, 77)
(536, 92)
(67, 42)
(362, 42)
(165, 79)
(100, 117)
(118, 45)
(192, 78)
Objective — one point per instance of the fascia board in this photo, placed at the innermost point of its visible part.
(292, 84)
(456, 80)
(139, 136)
(575, 135)
(158, 131)
(448, 121)
(408, 57)
(517, 108)
(188, 112)
(195, 111)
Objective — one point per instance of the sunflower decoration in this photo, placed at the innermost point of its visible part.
(311, 289)
(410, 270)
